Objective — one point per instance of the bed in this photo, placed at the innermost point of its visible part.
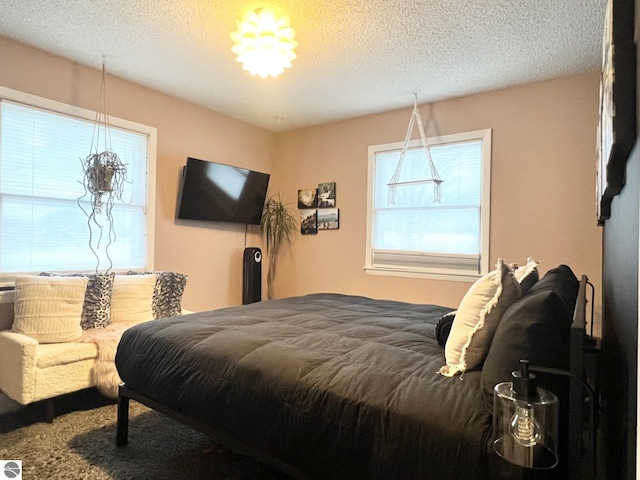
(331, 386)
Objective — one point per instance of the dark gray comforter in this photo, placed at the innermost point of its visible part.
(338, 387)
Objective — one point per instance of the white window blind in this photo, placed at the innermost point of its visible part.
(41, 225)
(415, 234)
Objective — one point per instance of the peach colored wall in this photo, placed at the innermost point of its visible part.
(543, 186)
(211, 254)
(542, 193)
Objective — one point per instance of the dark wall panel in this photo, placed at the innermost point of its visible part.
(621, 245)
(620, 325)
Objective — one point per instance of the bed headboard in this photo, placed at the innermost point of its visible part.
(547, 326)
(576, 392)
(578, 386)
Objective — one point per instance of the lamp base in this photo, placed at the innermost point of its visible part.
(537, 456)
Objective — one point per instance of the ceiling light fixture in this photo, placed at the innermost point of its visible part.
(264, 43)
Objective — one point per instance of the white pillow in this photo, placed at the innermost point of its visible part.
(477, 319)
(49, 309)
(132, 298)
(527, 275)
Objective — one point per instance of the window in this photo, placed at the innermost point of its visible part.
(41, 225)
(416, 236)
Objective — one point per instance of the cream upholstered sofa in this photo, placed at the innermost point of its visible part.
(45, 349)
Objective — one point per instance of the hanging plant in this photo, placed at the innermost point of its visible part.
(104, 174)
(278, 225)
(104, 177)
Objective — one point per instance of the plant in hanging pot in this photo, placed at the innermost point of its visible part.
(104, 177)
(104, 174)
(278, 225)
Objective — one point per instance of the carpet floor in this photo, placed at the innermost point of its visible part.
(80, 444)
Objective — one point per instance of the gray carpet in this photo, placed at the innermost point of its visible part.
(80, 444)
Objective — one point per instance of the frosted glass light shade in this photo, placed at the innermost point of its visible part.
(264, 43)
(526, 431)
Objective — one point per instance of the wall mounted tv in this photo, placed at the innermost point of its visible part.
(221, 193)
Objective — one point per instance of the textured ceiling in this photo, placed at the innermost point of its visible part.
(355, 57)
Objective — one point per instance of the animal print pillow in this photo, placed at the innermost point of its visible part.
(167, 294)
(167, 302)
(96, 310)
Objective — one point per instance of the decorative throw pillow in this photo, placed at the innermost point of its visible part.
(534, 328)
(96, 310)
(443, 328)
(562, 281)
(167, 300)
(527, 275)
(168, 292)
(49, 309)
(477, 318)
(132, 298)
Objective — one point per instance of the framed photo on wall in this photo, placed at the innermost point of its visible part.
(328, 219)
(308, 222)
(617, 126)
(327, 195)
(308, 198)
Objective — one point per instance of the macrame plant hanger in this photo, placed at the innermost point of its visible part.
(435, 178)
(103, 179)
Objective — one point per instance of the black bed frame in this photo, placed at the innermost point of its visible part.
(576, 393)
(125, 394)
(578, 337)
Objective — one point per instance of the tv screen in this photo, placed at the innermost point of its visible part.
(221, 193)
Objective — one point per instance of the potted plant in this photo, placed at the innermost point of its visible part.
(104, 174)
(277, 225)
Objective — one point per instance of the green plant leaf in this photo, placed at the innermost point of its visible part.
(278, 225)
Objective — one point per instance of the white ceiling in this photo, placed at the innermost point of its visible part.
(355, 57)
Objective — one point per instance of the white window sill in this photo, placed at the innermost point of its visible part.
(428, 274)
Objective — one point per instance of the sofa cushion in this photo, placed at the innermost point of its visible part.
(49, 309)
(96, 310)
(477, 318)
(132, 298)
(54, 354)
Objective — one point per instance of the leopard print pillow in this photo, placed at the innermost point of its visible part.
(167, 297)
(167, 294)
(96, 310)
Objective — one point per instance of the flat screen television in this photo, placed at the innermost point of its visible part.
(221, 193)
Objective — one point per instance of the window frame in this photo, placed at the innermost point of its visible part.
(432, 265)
(59, 108)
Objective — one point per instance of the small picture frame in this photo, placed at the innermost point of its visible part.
(327, 195)
(308, 222)
(329, 219)
(307, 198)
